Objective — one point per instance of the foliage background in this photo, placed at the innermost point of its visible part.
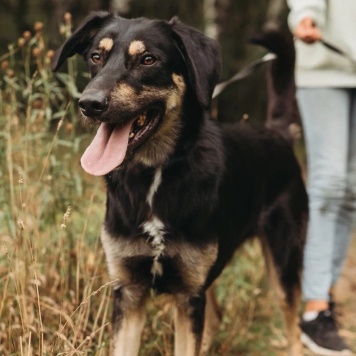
(232, 22)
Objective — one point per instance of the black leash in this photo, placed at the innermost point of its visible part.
(243, 73)
(246, 71)
(333, 48)
(337, 50)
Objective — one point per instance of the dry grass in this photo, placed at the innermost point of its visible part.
(51, 268)
(54, 291)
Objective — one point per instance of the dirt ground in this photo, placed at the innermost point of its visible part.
(345, 296)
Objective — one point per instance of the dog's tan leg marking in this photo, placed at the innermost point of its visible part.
(185, 343)
(181, 328)
(291, 318)
(289, 310)
(189, 323)
(212, 320)
(126, 341)
(194, 274)
(136, 47)
(129, 299)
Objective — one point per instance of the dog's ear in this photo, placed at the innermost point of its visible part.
(80, 40)
(202, 58)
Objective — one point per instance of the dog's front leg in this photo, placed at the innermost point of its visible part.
(189, 324)
(128, 320)
(212, 320)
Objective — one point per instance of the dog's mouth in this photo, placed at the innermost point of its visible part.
(108, 149)
(142, 127)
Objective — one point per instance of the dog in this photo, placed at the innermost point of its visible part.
(183, 191)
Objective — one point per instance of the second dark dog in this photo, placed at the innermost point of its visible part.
(183, 192)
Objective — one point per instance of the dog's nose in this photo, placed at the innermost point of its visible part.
(93, 103)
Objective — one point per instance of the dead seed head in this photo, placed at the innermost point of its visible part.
(69, 127)
(20, 178)
(26, 35)
(50, 54)
(245, 117)
(66, 216)
(67, 18)
(20, 224)
(37, 104)
(60, 123)
(5, 65)
(36, 52)
(21, 42)
(10, 73)
(38, 26)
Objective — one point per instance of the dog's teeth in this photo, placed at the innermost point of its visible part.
(141, 120)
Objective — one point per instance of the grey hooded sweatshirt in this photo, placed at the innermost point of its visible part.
(317, 65)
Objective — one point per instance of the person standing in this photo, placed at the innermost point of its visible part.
(326, 94)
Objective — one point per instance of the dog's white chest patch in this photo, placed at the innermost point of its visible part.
(154, 227)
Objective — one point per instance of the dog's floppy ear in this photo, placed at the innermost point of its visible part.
(202, 57)
(80, 40)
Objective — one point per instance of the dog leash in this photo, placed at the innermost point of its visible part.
(332, 47)
(243, 73)
(337, 50)
(246, 71)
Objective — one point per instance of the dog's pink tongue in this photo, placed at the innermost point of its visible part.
(107, 150)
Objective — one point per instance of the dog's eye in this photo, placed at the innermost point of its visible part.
(96, 58)
(148, 60)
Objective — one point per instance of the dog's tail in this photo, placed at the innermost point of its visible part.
(282, 110)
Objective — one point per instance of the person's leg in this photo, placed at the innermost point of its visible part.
(325, 114)
(347, 215)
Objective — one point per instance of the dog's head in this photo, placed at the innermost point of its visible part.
(141, 72)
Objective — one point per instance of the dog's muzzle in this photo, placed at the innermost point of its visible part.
(94, 103)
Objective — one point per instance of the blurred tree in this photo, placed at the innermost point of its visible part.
(13, 9)
(189, 11)
(276, 14)
(237, 22)
(231, 22)
(211, 26)
(121, 7)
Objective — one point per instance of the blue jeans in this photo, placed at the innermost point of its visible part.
(329, 123)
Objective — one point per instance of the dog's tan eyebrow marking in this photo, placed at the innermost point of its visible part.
(106, 44)
(136, 47)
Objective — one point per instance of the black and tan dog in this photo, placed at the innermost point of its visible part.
(182, 191)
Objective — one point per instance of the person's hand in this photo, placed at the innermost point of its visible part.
(307, 31)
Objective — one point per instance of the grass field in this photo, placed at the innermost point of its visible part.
(54, 289)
